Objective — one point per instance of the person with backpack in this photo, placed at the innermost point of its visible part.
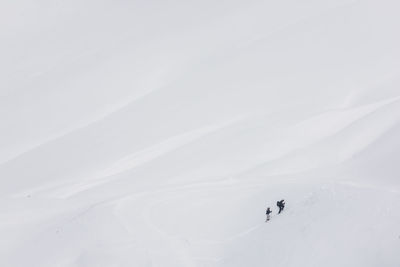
(268, 212)
(281, 205)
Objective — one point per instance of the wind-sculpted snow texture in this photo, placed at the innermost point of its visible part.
(156, 133)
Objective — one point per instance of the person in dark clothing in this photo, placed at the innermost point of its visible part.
(281, 205)
(268, 212)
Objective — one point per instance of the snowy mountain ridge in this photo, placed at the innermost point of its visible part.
(156, 133)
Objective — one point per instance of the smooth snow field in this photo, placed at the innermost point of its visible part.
(156, 133)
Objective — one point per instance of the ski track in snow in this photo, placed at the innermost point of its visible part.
(135, 214)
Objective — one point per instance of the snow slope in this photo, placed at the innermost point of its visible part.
(156, 133)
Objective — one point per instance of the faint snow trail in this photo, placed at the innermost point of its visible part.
(139, 158)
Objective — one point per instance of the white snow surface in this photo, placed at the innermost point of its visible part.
(156, 133)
